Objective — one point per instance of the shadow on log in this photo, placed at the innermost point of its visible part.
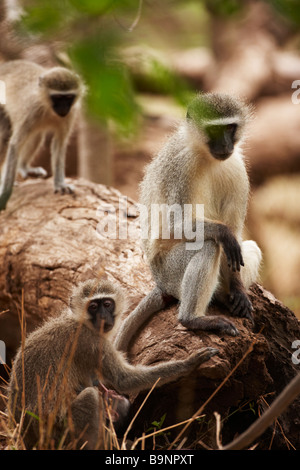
(49, 242)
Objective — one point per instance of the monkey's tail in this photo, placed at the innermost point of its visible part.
(151, 304)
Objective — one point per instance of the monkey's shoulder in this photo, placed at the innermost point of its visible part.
(56, 332)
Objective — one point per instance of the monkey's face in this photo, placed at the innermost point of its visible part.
(101, 312)
(62, 102)
(221, 139)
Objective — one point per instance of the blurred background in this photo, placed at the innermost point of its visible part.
(142, 60)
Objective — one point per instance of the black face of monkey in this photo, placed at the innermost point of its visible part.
(102, 313)
(221, 140)
(62, 103)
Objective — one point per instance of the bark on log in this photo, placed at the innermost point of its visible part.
(49, 242)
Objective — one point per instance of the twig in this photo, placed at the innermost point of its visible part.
(136, 414)
(218, 429)
(136, 20)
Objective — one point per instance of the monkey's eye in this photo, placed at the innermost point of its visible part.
(232, 128)
(93, 307)
(109, 304)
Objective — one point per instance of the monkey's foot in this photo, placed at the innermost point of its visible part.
(239, 304)
(32, 172)
(211, 322)
(64, 188)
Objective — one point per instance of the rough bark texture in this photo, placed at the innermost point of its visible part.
(49, 242)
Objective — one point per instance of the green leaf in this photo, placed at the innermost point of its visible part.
(92, 7)
(110, 92)
(33, 415)
(47, 16)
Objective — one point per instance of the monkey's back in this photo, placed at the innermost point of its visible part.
(21, 80)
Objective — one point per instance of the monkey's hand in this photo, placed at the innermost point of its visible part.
(203, 355)
(64, 188)
(231, 248)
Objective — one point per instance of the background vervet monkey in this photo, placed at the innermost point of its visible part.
(38, 101)
(53, 376)
(202, 163)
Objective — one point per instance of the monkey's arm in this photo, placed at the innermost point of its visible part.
(152, 303)
(291, 391)
(126, 378)
(212, 230)
(221, 234)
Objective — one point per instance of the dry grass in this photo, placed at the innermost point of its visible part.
(11, 432)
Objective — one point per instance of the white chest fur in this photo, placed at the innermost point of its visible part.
(223, 188)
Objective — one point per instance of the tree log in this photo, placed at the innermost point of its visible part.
(49, 242)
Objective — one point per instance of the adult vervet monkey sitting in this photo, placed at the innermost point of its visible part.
(202, 163)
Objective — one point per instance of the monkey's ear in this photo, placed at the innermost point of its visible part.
(81, 291)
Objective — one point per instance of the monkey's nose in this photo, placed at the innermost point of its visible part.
(103, 323)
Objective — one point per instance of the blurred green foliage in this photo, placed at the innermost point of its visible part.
(290, 9)
(94, 33)
(92, 45)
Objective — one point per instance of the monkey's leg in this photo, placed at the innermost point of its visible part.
(58, 157)
(235, 284)
(156, 300)
(8, 175)
(198, 285)
(86, 412)
(28, 154)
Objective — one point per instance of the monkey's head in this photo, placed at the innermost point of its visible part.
(98, 304)
(218, 121)
(62, 88)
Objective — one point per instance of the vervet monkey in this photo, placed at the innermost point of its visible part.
(38, 101)
(202, 163)
(53, 376)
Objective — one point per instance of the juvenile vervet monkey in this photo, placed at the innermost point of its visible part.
(202, 163)
(38, 101)
(64, 358)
